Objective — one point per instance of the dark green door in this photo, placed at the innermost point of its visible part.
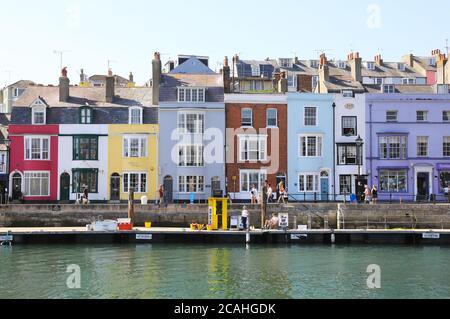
(65, 187)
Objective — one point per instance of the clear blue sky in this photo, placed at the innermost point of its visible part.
(128, 32)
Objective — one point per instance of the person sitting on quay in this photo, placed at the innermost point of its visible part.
(272, 223)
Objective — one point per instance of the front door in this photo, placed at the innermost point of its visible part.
(168, 189)
(115, 187)
(423, 186)
(324, 187)
(215, 187)
(64, 187)
(17, 187)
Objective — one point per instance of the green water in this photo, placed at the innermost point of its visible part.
(198, 272)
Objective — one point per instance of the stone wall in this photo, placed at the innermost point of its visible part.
(317, 216)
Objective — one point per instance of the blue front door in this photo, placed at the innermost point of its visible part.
(324, 189)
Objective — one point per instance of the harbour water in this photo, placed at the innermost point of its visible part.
(200, 271)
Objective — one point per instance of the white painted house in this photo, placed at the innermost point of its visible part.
(83, 149)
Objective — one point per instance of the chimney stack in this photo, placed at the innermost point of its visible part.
(64, 86)
(441, 61)
(156, 80)
(324, 70)
(378, 60)
(226, 72)
(131, 77)
(109, 87)
(283, 83)
(82, 77)
(304, 83)
(356, 66)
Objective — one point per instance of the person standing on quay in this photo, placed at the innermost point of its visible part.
(254, 194)
(245, 218)
(161, 196)
(264, 202)
(269, 194)
(374, 194)
(281, 191)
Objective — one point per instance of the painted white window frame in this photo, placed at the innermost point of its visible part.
(424, 114)
(27, 141)
(370, 65)
(388, 116)
(26, 191)
(276, 118)
(143, 146)
(423, 144)
(316, 117)
(262, 176)
(446, 116)
(185, 94)
(446, 146)
(242, 117)
(38, 109)
(199, 155)
(319, 145)
(261, 151)
(130, 115)
(316, 182)
(126, 188)
(199, 122)
(186, 185)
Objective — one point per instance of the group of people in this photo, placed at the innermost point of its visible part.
(268, 195)
(370, 195)
(271, 223)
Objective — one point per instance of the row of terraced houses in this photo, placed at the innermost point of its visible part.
(324, 128)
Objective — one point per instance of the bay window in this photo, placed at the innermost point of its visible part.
(347, 155)
(250, 178)
(191, 184)
(85, 179)
(308, 183)
(37, 184)
(393, 181)
(135, 181)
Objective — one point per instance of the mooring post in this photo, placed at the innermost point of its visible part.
(131, 205)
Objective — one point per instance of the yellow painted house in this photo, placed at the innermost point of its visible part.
(133, 160)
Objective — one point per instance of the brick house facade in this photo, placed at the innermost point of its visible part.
(256, 142)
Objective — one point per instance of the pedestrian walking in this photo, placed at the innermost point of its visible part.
(282, 192)
(374, 194)
(367, 194)
(245, 218)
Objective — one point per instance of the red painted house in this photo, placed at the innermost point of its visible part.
(34, 153)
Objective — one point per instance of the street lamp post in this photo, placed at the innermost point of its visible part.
(359, 144)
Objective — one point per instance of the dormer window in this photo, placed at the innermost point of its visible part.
(192, 95)
(135, 115)
(409, 81)
(370, 65)
(314, 64)
(286, 63)
(432, 61)
(348, 93)
(401, 66)
(86, 115)
(341, 65)
(388, 89)
(256, 70)
(38, 115)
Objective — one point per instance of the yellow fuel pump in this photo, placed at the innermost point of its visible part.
(218, 213)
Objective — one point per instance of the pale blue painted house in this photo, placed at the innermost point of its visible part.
(310, 146)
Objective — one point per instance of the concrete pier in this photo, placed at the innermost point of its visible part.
(78, 235)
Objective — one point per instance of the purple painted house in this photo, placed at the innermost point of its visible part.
(408, 145)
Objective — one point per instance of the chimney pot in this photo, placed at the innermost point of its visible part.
(64, 86)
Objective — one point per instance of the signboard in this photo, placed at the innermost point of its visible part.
(431, 236)
(210, 215)
(298, 236)
(144, 236)
(283, 221)
(6, 238)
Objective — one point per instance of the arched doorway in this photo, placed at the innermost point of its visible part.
(64, 187)
(16, 186)
(324, 186)
(168, 189)
(115, 187)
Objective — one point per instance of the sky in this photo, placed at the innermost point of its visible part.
(91, 32)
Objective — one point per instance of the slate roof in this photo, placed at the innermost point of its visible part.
(68, 112)
(267, 68)
(79, 96)
(192, 66)
(212, 82)
(4, 119)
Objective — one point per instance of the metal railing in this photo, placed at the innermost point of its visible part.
(391, 198)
